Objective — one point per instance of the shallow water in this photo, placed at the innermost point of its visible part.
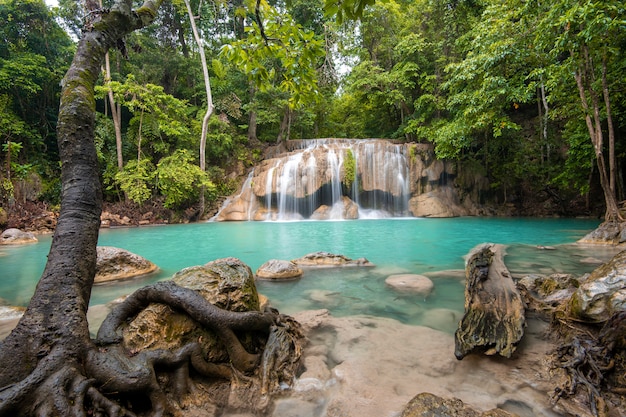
(433, 247)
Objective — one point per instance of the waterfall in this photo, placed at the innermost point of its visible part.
(331, 179)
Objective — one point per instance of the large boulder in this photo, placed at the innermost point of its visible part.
(441, 202)
(276, 269)
(16, 237)
(227, 283)
(327, 259)
(603, 293)
(116, 264)
(343, 209)
(607, 233)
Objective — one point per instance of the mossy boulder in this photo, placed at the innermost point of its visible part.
(227, 283)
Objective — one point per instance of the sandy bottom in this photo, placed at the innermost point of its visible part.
(364, 366)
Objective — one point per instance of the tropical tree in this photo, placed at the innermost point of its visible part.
(56, 368)
(280, 57)
(585, 39)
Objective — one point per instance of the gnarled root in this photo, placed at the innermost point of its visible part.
(65, 392)
(223, 322)
(589, 361)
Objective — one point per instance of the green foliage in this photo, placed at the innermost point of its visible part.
(296, 50)
(346, 9)
(6, 190)
(470, 77)
(349, 166)
(137, 180)
(179, 179)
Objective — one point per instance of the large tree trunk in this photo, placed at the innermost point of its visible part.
(584, 81)
(49, 365)
(53, 333)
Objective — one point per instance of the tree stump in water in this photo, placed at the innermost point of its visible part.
(494, 312)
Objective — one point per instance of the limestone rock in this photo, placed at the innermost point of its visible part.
(441, 202)
(546, 293)
(608, 233)
(109, 219)
(319, 179)
(344, 209)
(494, 315)
(413, 283)
(276, 269)
(17, 237)
(116, 264)
(603, 293)
(326, 259)
(430, 405)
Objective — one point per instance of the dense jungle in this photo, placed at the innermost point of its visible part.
(162, 108)
(524, 95)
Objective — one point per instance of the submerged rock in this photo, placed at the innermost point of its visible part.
(413, 283)
(327, 259)
(363, 366)
(603, 293)
(276, 269)
(17, 237)
(430, 405)
(117, 264)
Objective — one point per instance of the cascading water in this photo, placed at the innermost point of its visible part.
(328, 179)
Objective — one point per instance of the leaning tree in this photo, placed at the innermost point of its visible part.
(50, 365)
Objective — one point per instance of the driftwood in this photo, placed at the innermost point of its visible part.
(494, 312)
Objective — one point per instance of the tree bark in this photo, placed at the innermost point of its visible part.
(494, 312)
(50, 366)
(594, 126)
(209, 99)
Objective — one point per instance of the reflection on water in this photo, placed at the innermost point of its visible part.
(432, 247)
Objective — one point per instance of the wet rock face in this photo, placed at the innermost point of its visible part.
(345, 179)
(276, 269)
(117, 264)
(608, 233)
(17, 237)
(603, 293)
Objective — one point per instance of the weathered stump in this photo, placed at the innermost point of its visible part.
(494, 312)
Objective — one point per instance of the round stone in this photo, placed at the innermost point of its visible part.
(278, 269)
(414, 283)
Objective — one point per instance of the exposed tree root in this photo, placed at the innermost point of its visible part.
(592, 361)
(107, 371)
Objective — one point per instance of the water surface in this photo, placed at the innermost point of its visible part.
(433, 247)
